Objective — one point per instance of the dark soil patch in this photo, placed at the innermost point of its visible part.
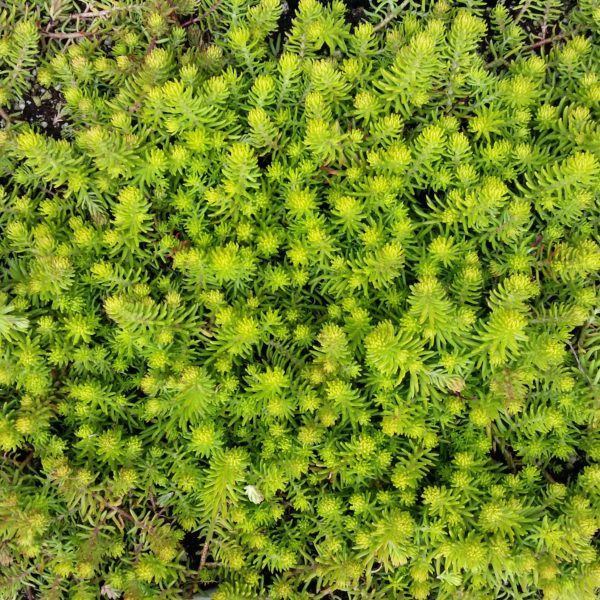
(42, 108)
(192, 546)
(287, 16)
(566, 471)
(506, 456)
(265, 161)
(356, 10)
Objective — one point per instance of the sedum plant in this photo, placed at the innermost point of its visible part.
(303, 313)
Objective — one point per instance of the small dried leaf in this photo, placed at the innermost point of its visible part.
(254, 494)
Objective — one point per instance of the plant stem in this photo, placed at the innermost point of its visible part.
(538, 44)
(203, 15)
(579, 365)
(4, 115)
(91, 14)
(390, 16)
(204, 555)
(68, 35)
(545, 41)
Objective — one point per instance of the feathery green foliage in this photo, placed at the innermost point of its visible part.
(306, 314)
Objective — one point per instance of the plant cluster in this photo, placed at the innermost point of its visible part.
(305, 314)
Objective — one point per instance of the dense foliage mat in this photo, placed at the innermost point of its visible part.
(301, 305)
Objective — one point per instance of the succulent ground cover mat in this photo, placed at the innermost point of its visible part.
(299, 300)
